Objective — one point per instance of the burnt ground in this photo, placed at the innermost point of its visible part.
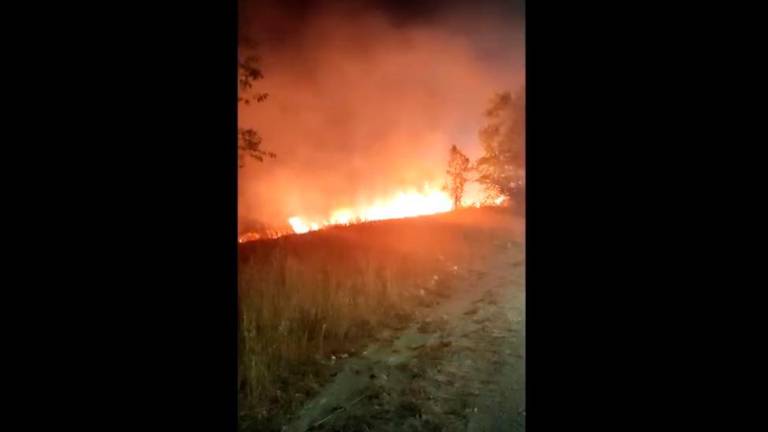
(459, 367)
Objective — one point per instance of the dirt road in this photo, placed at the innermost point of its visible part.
(459, 367)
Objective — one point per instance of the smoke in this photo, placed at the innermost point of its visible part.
(366, 101)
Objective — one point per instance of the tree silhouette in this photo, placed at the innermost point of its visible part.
(458, 167)
(501, 168)
(249, 140)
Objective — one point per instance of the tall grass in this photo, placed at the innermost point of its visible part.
(305, 298)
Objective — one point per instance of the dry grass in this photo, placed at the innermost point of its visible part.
(305, 298)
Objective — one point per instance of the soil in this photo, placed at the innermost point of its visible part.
(458, 367)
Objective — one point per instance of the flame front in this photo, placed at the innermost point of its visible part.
(409, 203)
(298, 225)
(402, 204)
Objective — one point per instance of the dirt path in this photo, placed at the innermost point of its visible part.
(459, 368)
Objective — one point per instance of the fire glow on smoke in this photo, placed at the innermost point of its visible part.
(408, 203)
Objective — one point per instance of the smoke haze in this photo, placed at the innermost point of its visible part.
(366, 101)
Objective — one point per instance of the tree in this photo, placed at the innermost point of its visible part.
(458, 167)
(502, 167)
(249, 140)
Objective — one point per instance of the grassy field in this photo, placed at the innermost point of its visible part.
(305, 300)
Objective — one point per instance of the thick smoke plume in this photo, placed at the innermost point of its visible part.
(363, 103)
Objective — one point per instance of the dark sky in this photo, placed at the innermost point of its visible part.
(276, 20)
(403, 9)
(424, 9)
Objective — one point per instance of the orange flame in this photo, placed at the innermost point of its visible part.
(408, 203)
(403, 204)
(249, 236)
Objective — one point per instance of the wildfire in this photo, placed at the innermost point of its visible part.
(402, 204)
(249, 236)
(261, 234)
(409, 203)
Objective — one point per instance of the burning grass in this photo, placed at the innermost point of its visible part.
(305, 300)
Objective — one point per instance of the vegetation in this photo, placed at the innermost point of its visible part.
(304, 300)
(458, 168)
(249, 140)
(501, 169)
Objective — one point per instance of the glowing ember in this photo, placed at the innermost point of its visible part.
(264, 233)
(250, 236)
